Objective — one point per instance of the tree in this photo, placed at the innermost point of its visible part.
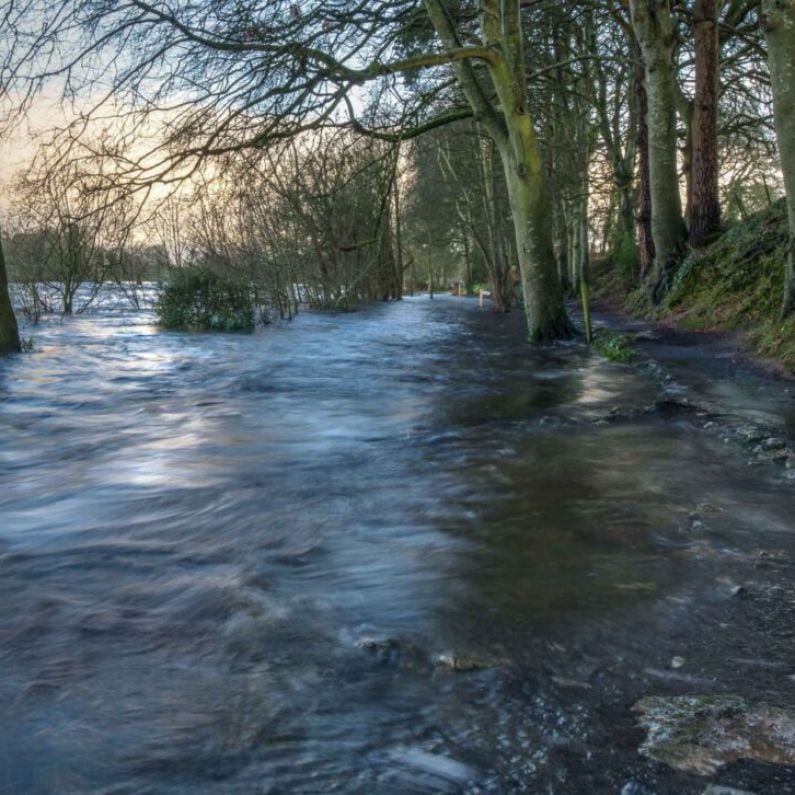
(704, 201)
(9, 334)
(645, 237)
(78, 220)
(654, 28)
(234, 74)
(778, 22)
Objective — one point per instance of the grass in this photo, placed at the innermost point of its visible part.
(733, 284)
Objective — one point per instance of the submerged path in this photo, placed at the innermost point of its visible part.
(395, 551)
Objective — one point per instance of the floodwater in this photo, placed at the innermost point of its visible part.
(394, 551)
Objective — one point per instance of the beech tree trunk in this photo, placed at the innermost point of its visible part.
(651, 20)
(778, 22)
(9, 334)
(704, 210)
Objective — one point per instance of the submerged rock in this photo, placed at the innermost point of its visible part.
(466, 664)
(636, 788)
(699, 734)
(752, 433)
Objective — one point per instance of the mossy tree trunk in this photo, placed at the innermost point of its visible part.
(9, 334)
(653, 25)
(509, 124)
(704, 206)
(643, 198)
(778, 22)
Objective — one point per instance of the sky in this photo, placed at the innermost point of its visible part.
(18, 147)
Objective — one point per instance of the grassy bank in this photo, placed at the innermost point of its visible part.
(734, 284)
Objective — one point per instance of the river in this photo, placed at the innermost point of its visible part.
(391, 551)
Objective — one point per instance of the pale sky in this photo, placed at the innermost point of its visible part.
(17, 149)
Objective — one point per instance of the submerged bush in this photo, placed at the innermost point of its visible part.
(615, 347)
(199, 299)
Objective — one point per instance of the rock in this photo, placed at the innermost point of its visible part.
(751, 433)
(465, 664)
(635, 788)
(737, 590)
(678, 662)
(700, 734)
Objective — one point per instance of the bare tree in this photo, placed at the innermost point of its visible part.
(228, 75)
(79, 220)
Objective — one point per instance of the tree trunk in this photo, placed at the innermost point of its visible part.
(541, 289)
(778, 22)
(651, 20)
(509, 124)
(9, 334)
(704, 210)
(643, 199)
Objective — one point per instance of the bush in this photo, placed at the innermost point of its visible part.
(615, 347)
(199, 299)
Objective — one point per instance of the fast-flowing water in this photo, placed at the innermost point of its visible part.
(395, 551)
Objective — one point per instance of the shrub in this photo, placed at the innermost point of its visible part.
(614, 347)
(199, 299)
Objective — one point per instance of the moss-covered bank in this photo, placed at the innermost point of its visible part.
(733, 284)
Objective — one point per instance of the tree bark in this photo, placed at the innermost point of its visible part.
(651, 20)
(643, 201)
(778, 22)
(704, 210)
(541, 289)
(9, 333)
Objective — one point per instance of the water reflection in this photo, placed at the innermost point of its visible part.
(243, 563)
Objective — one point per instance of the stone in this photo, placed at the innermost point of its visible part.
(636, 788)
(677, 662)
(464, 664)
(751, 433)
(699, 734)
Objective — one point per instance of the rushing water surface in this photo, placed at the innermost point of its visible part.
(396, 551)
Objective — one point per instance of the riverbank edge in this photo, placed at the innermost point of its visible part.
(730, 288)
(617, 307)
